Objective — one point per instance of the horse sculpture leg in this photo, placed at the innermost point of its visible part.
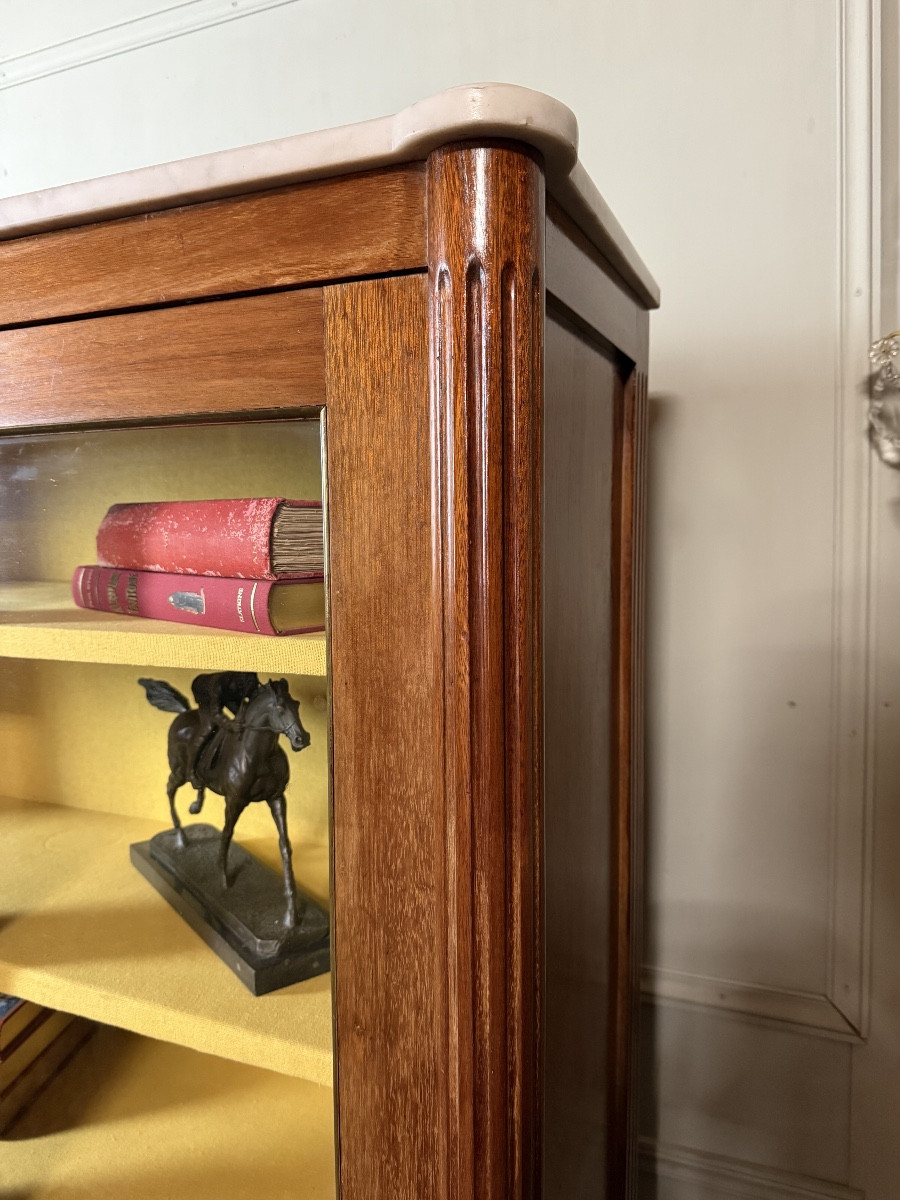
(198, 803)
(233, 810)
(172, 787)
(278, 809)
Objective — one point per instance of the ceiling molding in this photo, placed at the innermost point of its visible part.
(160, 25)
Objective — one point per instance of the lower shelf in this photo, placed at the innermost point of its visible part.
(83, 931)
(134, 1117)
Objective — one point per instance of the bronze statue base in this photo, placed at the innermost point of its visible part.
(242, 923)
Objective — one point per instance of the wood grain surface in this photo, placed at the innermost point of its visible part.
(484, 1036)
(485, 242)
(629, 536)
(329, 229)
(387, 696)
(261, 353)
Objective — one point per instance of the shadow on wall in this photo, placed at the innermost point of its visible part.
(743, 882)
(648, 1106)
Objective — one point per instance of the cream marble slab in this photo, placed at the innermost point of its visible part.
(474, 111)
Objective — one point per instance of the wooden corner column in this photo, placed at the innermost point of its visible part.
(485, 259)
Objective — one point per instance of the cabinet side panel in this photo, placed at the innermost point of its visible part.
(389, 903)
(585, 283)
(582, 394)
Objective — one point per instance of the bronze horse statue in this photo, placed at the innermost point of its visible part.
(238, 758)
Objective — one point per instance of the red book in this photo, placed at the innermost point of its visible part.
(257, 538)
(246, 605)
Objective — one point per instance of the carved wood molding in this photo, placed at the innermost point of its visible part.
(628, 766)
(485, 246)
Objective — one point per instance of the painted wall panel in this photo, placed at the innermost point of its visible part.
(748, 1092)
(730, 139)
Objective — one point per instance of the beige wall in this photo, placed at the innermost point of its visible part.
(733, 140)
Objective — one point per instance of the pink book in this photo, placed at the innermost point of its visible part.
(245, 605)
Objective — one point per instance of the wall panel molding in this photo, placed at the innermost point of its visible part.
(807, 1011)
(851, 774)
(842, 1007)
(679, 1172)
(159, 25)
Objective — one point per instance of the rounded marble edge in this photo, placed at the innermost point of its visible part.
(491, 110)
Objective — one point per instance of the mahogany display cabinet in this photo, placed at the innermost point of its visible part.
(433, 323)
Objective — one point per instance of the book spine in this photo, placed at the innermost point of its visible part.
(16, 1097)
(30, 1046)
(15, 1014)
(22, 1034)
(229, 538)
(237, 604)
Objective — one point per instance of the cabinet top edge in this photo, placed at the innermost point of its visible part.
(470, 112)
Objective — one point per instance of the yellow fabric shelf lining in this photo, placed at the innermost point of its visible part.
(129, 1117)
(40, 620)
(83, 931)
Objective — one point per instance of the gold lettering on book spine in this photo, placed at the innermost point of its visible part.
(253, 608)
(131, 599)
(112, 598)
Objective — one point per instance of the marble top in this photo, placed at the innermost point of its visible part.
(475, 111)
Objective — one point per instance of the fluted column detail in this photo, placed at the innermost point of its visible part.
(485, 229)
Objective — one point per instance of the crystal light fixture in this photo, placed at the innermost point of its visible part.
(884, 409)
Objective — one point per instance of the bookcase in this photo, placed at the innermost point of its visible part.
(433, 322)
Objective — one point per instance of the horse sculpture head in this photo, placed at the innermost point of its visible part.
(281, 710)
